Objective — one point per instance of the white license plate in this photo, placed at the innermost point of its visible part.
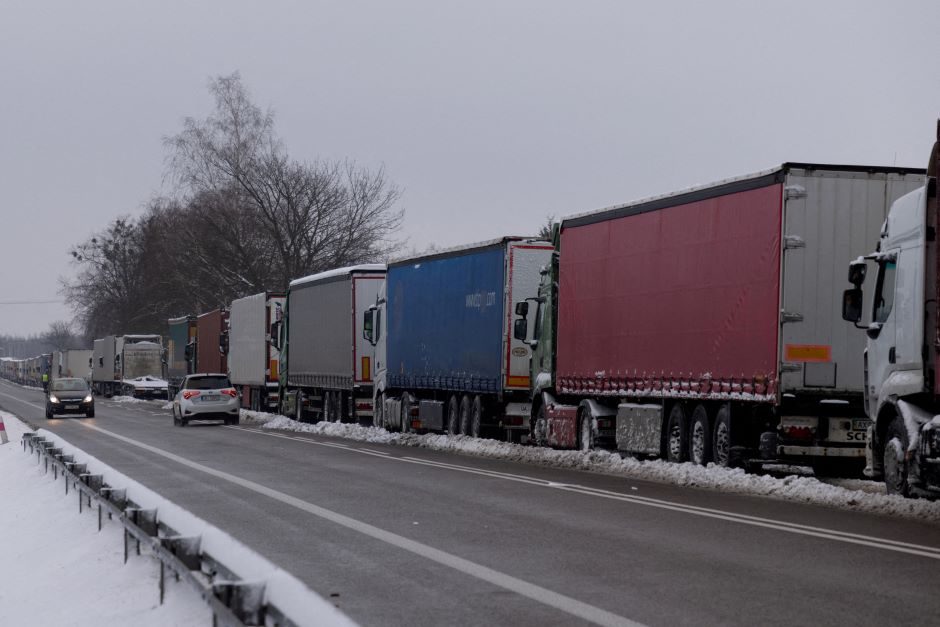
(211, 397)
(860, 425)
(71, 406)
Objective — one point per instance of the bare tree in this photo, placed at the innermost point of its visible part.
(60, 336)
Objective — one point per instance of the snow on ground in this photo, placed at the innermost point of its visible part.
(62, 530)
(57, 569)
(131, 399)
(851, 494)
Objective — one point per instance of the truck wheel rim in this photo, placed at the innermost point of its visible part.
(721, 444)
(675, 441)
(698, 442)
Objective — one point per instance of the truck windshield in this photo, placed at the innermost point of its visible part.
(884, 291)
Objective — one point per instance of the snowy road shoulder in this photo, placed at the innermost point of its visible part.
(851, 495)
(58, 527)
(56, 568)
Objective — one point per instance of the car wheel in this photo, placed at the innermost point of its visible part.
(895, 459)
(476, 417)
(49, 413)
(677, 448)
(176, 420)
(90, 413)
(700, 437)
(453, 415)
(721, 437)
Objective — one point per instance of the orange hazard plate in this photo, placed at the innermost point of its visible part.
(807, 352)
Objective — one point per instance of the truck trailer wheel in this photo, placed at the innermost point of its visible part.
(586, 434)
(465, 414)
(476, 417)
(721, 437)
(677, 440)
(700, 437)
(538, 427)
(895, 462)
(453, 415)
(405, 412)
(299, 406)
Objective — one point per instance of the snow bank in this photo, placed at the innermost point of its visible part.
(282, 590)
(128, 399)
(855, 495)
(58, 569)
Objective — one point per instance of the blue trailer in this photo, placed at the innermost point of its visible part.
(445, 356)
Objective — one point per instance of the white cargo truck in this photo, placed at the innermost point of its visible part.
(252, 358)
(130, 365)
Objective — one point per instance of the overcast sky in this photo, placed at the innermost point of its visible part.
(489, 115)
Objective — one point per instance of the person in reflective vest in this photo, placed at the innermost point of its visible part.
(45, 381)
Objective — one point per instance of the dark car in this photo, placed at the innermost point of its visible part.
(69, 396)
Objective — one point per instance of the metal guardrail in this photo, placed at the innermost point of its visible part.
(233, 601)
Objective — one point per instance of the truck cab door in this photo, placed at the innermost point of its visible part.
(882, 332)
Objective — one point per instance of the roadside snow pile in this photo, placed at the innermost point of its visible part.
(249, 416)
(801, 489)
(128, 399)
(58, 569)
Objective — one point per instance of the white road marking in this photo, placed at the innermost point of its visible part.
(548, 597)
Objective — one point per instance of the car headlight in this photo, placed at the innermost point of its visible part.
(53, 398)
(88, 398)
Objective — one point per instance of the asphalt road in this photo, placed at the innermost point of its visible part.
(417, 537)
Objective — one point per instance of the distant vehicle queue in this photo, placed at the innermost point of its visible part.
(703, 325)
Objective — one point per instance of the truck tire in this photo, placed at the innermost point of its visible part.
(405, 412)
(453, 415)
(465, 414)
(299, 406)
(538, 427)
(378, 414)
(586, 433)
(721, 437)
(476, 417)
(700, 437)
(895, 462)
(677, 437)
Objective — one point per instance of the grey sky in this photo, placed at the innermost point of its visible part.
(490, 115)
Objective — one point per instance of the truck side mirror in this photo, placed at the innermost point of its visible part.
(522, 308)
(852, 305)
(367, 325)
(857, 271)
(520, 328)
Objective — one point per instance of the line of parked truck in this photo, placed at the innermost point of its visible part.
(704, 325)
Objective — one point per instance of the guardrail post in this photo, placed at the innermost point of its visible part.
(246, 600)
(186, 549)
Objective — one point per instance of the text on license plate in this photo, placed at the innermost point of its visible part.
(211, 397)
(71, 406)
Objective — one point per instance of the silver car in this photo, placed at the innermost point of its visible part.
(206, 397)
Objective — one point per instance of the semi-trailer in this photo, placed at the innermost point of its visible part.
(72, 363)
(704, 325)
(180, 351)
(252, 358)
(901, 359)
(446, 359)
(212, 341)
(326, 365)
(130, 365)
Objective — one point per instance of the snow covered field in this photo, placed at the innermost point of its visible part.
(62, 571)
(57, 569)
(851, 494)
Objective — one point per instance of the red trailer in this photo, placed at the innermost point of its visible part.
(212, 341)
(705, 325)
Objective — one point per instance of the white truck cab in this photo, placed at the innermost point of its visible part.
(901, 358)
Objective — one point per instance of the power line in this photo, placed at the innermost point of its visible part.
(46, 301)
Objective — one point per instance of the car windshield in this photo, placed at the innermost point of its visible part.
(69, 385)
(208, 383)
